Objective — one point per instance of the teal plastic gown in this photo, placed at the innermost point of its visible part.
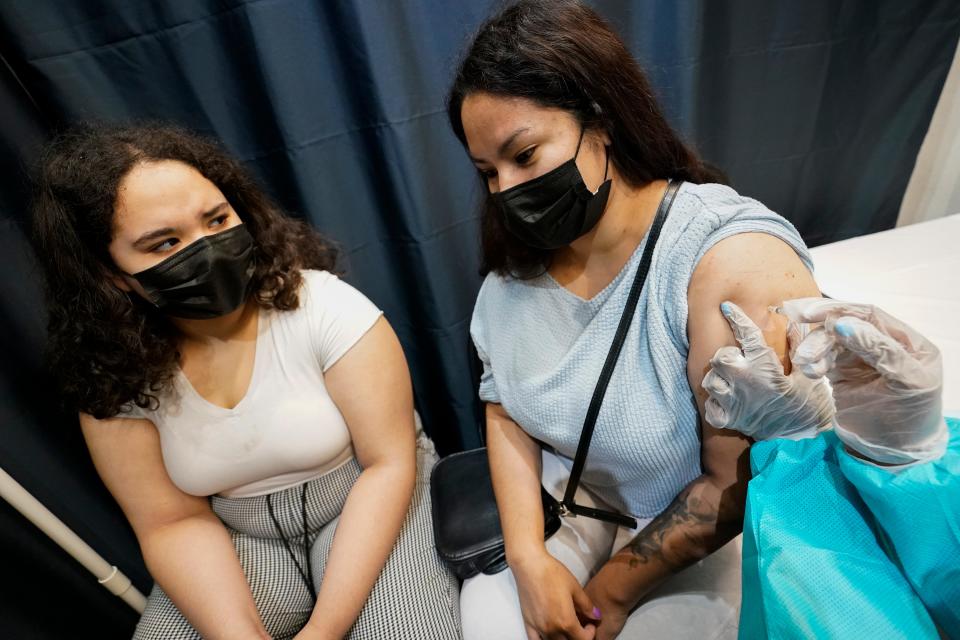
(917, 509)
(814, 562)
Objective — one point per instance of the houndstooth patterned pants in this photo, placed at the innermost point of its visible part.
(414, 598)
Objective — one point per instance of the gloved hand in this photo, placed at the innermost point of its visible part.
(887, 379)
(750, 392)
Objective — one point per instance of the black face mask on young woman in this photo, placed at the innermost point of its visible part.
(206, 279)
(554, 209)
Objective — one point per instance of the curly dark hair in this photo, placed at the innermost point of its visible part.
(110, 348)
(560, 53)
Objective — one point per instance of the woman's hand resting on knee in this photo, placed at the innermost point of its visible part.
(553, 603)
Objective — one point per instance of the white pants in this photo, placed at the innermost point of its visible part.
(702, 602)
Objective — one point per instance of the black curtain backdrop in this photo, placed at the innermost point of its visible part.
(815, 108)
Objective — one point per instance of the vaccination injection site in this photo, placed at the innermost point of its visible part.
(480, 319)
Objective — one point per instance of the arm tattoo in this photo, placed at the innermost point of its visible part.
(690, 528)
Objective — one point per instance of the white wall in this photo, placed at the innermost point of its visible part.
(934, 187)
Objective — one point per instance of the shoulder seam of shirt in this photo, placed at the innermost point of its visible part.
(307, 289)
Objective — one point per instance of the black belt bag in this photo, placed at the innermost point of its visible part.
(466, 523)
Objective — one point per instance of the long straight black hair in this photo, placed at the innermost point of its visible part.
(560, 53)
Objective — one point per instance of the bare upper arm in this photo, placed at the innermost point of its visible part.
(754, 271)
(126, 453)
(371, 387)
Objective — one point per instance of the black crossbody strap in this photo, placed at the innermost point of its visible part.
(607, 372)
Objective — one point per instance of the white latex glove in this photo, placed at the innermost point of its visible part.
(750, 393)
(887, 378)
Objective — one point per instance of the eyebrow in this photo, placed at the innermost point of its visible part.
(506, 143)
(156, 234)
(214, 211)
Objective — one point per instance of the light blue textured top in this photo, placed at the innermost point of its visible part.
(543, 347)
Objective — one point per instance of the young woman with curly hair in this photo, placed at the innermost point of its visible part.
(251, 413)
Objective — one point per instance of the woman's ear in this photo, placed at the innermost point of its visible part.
(121, 283)
(601, 126)
(600, 136)
(127, 283)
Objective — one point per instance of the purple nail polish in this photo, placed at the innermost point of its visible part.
(596, 613)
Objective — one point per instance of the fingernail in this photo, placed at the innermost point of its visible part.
(596, 613)
(843, 329)
(725, 308)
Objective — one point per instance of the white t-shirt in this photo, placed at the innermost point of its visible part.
(286, 429)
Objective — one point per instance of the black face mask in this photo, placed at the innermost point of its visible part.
(554, 209)
(206, 279)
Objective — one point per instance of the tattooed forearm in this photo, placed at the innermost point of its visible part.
(699, 521)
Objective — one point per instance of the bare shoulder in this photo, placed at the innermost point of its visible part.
(754, 271)
(748, 264)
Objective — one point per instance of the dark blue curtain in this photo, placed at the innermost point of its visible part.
(815, 108)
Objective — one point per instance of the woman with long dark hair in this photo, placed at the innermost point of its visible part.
(251, 413)
(576, 156)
